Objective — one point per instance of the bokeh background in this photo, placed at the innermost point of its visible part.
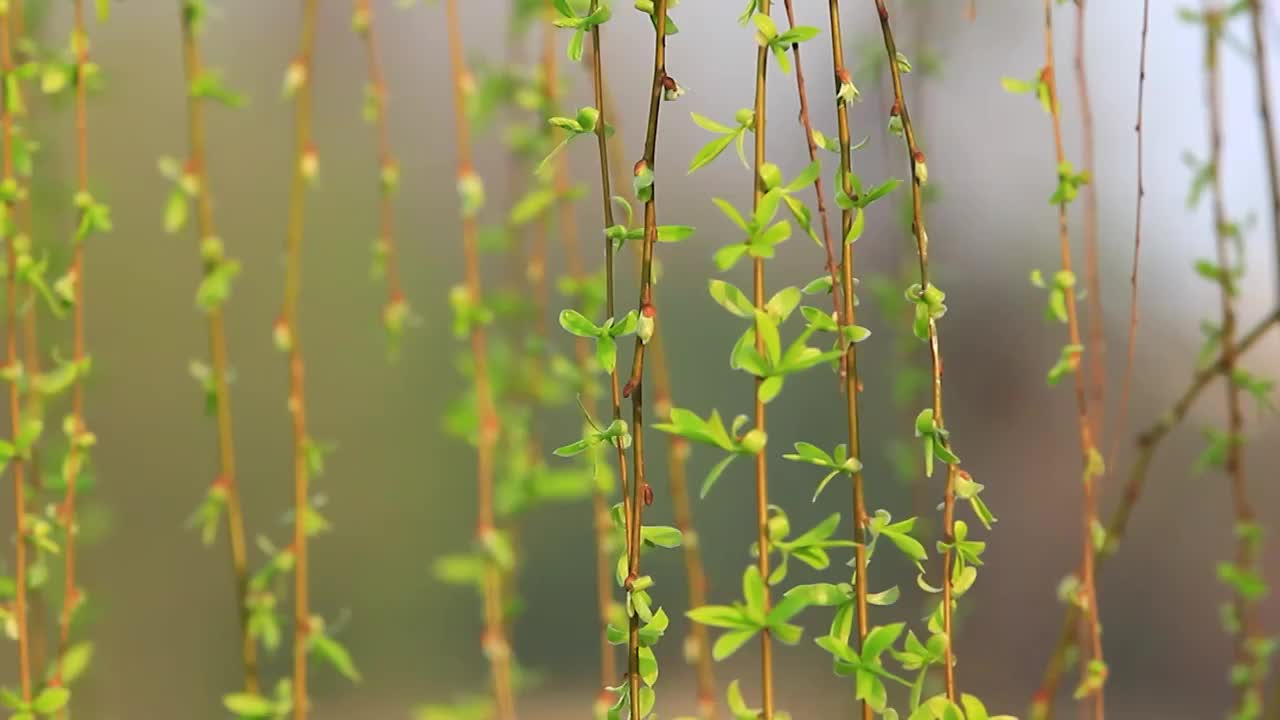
(400, 492)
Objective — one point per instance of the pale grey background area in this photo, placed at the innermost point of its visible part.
(400, 493)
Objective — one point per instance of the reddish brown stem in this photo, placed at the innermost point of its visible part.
(582, 352)
(207, 232)
(1131, 346)
(698, 641)
(304, 157)
(635, 386)
(71, 596)
(1088, 595)
(848, 319)
(1095, 351)
(916, 164)
(758, 296)
(494, 643)
(807, 124)
(388, 168)
(1249, 693)
(15, 393)
(1148, 441)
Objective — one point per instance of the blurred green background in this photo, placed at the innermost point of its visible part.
(400, 493)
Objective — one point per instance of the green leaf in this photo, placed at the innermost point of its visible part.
(249, 704)
(51, 700)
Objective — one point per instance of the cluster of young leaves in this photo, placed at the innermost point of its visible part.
(571, 16)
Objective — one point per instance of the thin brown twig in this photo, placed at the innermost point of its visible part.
(812, 144)
(227, 480)
(848, 319)
(582, 352)
(1250, 692)
(634, 389)
(1268, 130)
(287, 329)
(1148, 441)
(1126, 384)
(32, 363)
(388, 168)
(71, 595)
(494, 643)
(916, 163)
(1095, 350)
(758, 296)
(1093, 672)
(15, 393)
(698, 643)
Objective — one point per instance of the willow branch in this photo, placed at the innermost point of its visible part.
(1148, 442)
(759, 298)
(1095, 350)
(287, 325)
(698, 642)
(15, 393)
(916, 163)
(848, 319)
(494, 643)
(1264, 110)
(1246, 556)
(634, 389)
(812, 145)
(1088, 594)
(1126, 386)
(207, 232)
(388, 168)
(71, 596)
(582, 353)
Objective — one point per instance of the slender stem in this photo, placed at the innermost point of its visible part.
(494, 644)
(634, 389)
(304, 154)
(1095, 351)
(1246, 557)
(582, 351)
(758, 293)
(71, 597)
(31, 354)
(848, 319)
(15, 393)
(698, 644)
(1148, 441)
(1127, 382)
(227, 478)
(807, 124)
(1088, 594)
(387, 165)
(1264, 110)
(606, 199)
(916, 163)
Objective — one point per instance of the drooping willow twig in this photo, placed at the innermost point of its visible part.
(812, 144)
(602, 523)
(395, 312)
(71, 594)
(634, 388)
(12, 362)
(848, 319)
(759, 299)
(494, 643)
(1095, 351)
(698, 645)
(1249, 692)
(917, 164)
(1094, 673)
(1148, 442)
(287, 337)
(211, 252)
